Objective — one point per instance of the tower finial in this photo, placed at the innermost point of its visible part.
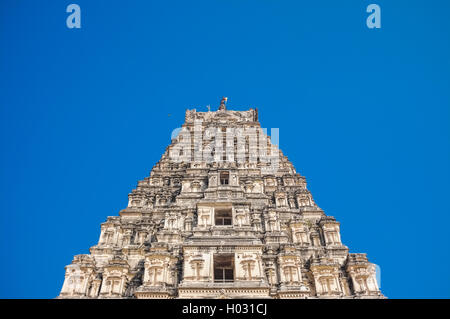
(222, 103)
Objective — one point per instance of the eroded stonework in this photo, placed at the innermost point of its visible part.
(221, 229)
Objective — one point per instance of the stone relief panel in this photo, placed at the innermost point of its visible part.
(290, 269)
(304, 199)
(249, 266)
(197, 266)
(272, 222)
(193, 186)
(271, 270)
(281, 200)
(76, 280)
(109, 235)
(241, 216)
(205, 215)
(159, 269)
(173, 221)
(299, 233)
(331, 232)
(362, 275)
(326, 277)
(115, 278)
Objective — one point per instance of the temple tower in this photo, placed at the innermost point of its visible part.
(223, 214)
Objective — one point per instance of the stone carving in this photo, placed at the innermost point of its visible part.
(326, 277)
(221, 229)
(204, 217)
(115, 278)
(272, 222)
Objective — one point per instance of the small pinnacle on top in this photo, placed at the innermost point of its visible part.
(222, 103)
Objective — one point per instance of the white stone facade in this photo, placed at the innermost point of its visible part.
(221, 228)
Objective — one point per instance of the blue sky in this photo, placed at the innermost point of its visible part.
(363, 114)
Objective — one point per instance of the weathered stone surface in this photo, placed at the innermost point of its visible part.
(221, 228)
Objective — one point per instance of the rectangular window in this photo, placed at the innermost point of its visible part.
(223, 217)
(224, 178)
(223, 268)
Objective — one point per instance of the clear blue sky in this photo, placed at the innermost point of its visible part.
(363, 114)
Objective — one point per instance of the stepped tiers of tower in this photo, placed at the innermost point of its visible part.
(221, 227)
